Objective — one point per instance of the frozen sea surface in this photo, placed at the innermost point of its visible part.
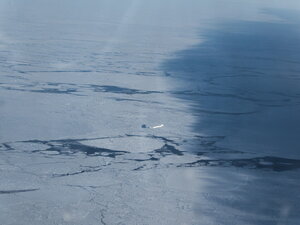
(138, 112)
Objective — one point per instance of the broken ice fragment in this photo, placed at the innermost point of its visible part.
(159, 126)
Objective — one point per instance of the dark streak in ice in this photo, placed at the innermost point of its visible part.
(73, 146)
(72, 88)
(7, 146)
(224, 113)
(168, 149)
(120, 90)
(17, 191)
(265, 163)
(77, 172)
(70, 148)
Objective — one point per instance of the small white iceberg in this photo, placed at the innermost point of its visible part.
(159, 126)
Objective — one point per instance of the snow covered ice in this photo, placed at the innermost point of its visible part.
(149, 112)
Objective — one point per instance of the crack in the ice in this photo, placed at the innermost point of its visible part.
(17, 191)
(168, 149)
(76, 173)
(266, 163)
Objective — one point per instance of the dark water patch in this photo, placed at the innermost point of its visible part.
(210, 144)
(56, 91)
(76, 172)
(263, 163)
(135, 100)
(250, 97)
(129, 100)
(73, 146)
(139, 168)
(216, 151)
(72, 91)
(7, 146)
(168, 150)
(89, 150)
(120, 90)
(17, 191)
(165, 139)
(146, 167)
(241, 82)
(167, 74)
(145, 73)
(144, 160)
(211, 112)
